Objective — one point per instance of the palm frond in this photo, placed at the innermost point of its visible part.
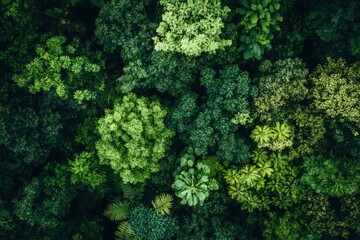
(125, 231)
(162, 204)
(117, 211)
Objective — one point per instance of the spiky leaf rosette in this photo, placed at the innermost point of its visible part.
(162, 204)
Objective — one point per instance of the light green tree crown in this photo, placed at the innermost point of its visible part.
(133, 138)
(191, 27)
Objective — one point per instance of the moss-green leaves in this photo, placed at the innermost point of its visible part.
(191, 27)
(133, 138)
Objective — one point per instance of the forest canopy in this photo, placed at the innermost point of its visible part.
(180, 119)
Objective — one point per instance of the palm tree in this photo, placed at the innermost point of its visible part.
(262, 134)
(281, 132)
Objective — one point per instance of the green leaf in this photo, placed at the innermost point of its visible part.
(257, 51)
(254, 18)
(248, 54)
(277, 6)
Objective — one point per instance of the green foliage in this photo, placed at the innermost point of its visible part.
(61, 67)
(117, 211)
(162, 204)
(259, 20)
(242, 118)
(355, 46)
(142, 222)
(29, 128)
(270, 180)
(336, 90)
(148, 225)
(118, 21)
(282, 228)
(262, 134)
(56, 175)
(183, 113)
(77, 236)
(191, 27)
(350, 212)
(133, 138)
(192, 183)
(275, 138)
(310, 130)
(318, 218)
(85, 170)
(125, 28)
(91, 229)
(338, 30)
(120, 211)
(42, 208)
(208, 126)
(347, 140)
(7, 223)
(216, 219)
(20, 22)
(335, 177)
(125, 231)
(282, 85)
(279, 145)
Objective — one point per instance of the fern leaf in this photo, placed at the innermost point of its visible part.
(117, 211)
(125, 231)
(162, 204)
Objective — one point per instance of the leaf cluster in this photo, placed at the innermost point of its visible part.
(192, 183)
(269, 180)
(259, 19)
(191, 27)
(275, 138)
(133, 138)
(332, 176)
(61, 68)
